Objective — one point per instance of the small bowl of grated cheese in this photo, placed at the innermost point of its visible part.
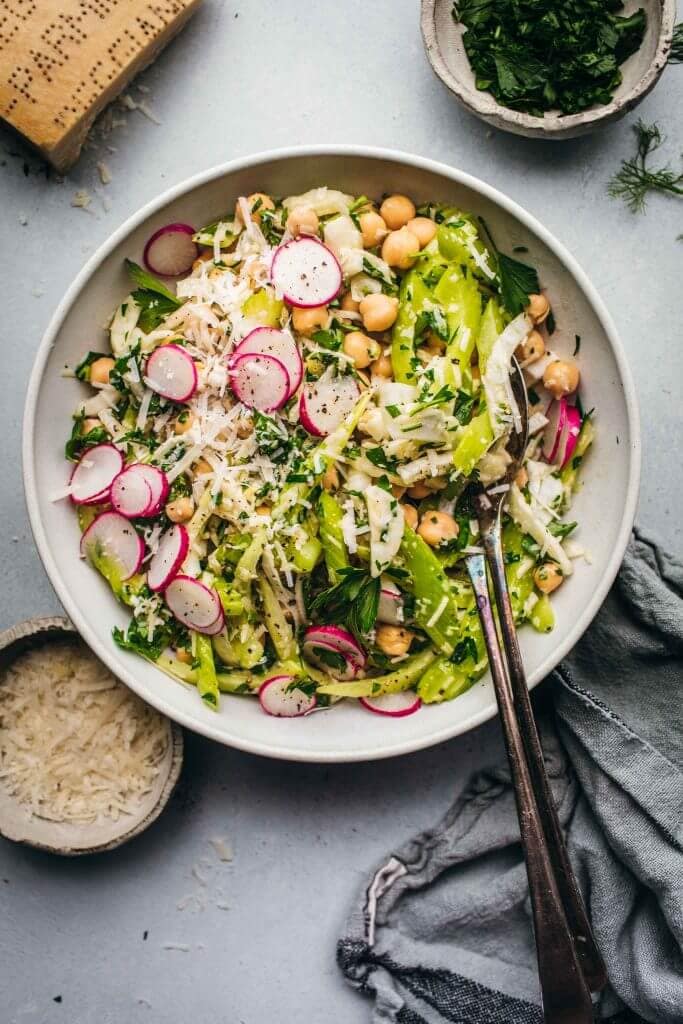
(85, 765)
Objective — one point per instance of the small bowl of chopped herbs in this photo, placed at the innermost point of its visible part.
(548, 70)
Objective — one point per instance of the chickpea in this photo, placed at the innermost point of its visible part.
(183, 422)
(265, 203)
(561, 378)
(531, 349)
(361, 349)
(201, 467)
(182, 654)
(348, 303)
(396, 211)
(538, 308)
(180, 510)
(435, 345)
(393, 640)
(303, 221)
(423, 228)
(91, 423)
(204, 257)
(245, 427)
(378, 311)
(330, 479)
(306, 321)
(262, 510)
(410, 515)
(521, 477)
(400, 248)
(100, 370)
(438, 527)
(398, 491)
(548, 577)
(418, 491)
(373, 228)
(382, 367)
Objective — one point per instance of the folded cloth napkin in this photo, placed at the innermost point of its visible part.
(442, 933)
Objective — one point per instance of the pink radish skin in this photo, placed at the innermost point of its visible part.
(195, 605)
(171, 372)
(158, 484)
(561, 432)
(390, 603)
(131, 495)
(260, 382)
(306, 272)
(94, 474)
(281, 345)
(393, 705)
(170, 251)
(556, 414)
(324, 405)
(277, 700)
(113, 537)
(572, 435)
(338, 641)
(168, 558)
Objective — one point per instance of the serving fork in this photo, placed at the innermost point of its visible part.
(569, 963)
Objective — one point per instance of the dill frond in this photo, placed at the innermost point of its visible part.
(635, 179)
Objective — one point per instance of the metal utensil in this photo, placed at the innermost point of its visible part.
(570, 965)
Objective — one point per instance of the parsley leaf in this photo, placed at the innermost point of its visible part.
(154, 298)
(517, 282)
(354, 601)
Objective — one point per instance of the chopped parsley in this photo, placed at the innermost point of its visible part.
(536, 55)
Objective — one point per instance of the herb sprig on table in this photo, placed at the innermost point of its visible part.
(537, 55)
(636, 179)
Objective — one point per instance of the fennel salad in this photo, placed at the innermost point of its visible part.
(275, 462)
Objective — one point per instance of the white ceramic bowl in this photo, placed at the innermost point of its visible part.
(605, 506)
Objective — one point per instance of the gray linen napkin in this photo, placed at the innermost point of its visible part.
(442, 931)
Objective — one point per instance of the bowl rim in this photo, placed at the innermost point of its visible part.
(254, 161)
(483, 104)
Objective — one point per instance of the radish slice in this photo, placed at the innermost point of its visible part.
(562, 431)
(390, 608)
(268, 341)
(94, 474)
(170, 251)
(393, 705)
(168, 558)
(570, 436)
(131, 495)
(556, 414)
(325, 645)
(277, 699)
(171, 372)
(157, 482)
(112, 537)
(260, 382)
(306, 272)
(325, 404)
(195, 605)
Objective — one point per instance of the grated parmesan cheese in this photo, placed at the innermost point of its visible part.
(75, 744)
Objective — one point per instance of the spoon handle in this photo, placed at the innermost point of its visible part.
(566, 999)
(590, 960)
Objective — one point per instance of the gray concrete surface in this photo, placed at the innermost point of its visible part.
(255, 937)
